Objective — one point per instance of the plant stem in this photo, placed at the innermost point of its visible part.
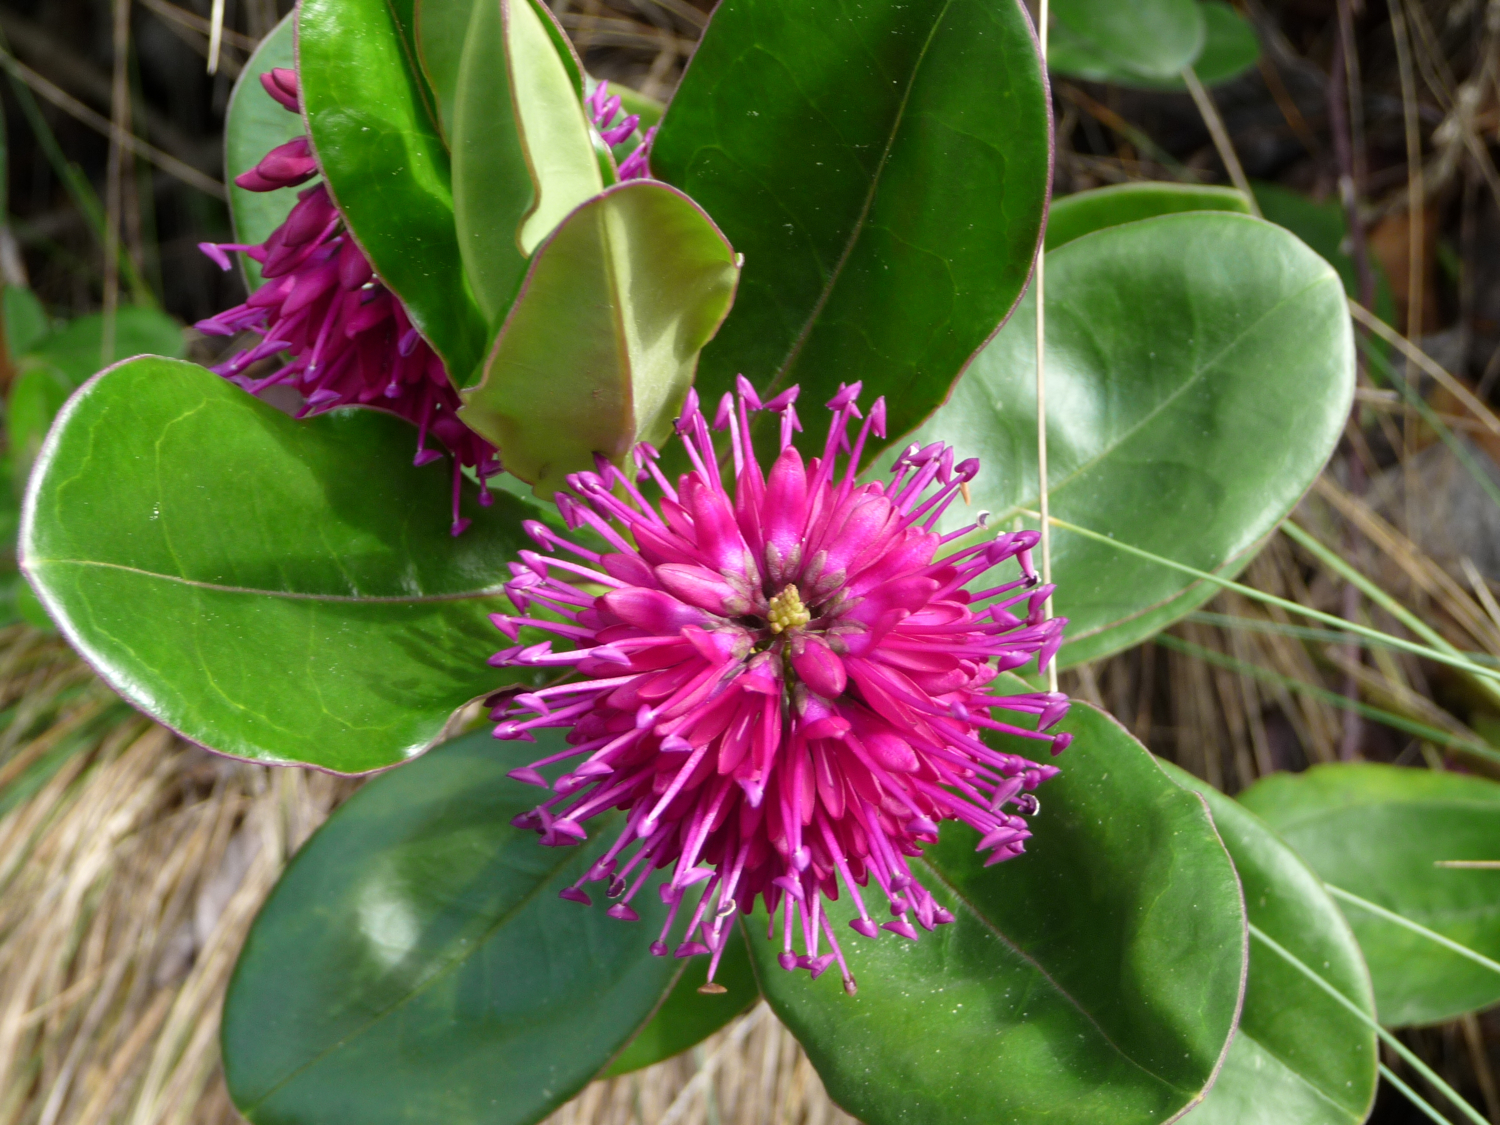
(1220, 135)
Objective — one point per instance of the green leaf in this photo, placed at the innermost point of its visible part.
(599, 348)
(36, 396)
(385, 164)
(1073, 216)
(76, 349)
(1298, 1056)
(523, 157)
(1169, 376)
(275, 589)
(553, 125)
(442, 34)
(1095, 979)
(1379, 832)
(1145, 38)
(255, 124)
(1230, 48)
(415, 965)
(688, 1016)
(883, 169)
(26, 323)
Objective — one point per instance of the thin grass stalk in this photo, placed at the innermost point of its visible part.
(1220, 136)
(1432, 654)
(114, 183)
(1337, 699)
(1415, 927)
(1386, 1037)
(1371, 590)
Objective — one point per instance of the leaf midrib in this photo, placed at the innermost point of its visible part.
(858, 227)
(36, 565)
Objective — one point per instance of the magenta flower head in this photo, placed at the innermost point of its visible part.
(347, 338)
(784, 686)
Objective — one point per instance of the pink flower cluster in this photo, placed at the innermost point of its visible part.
(784, 686)
(604, 110)
(348, 339)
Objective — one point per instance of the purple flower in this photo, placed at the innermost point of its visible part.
(783, 685)
(348, 338)
(604, 109)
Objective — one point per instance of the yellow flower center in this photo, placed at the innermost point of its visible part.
(787, 611)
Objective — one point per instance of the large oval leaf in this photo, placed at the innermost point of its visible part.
(1144, 38)
(226, 569)
(1299, 1056)
(1073, 216)
(883, 168)
(1199, 370)
(254, 124)
(598, 350)
(1095, 979)
(383, 158)
(415, 965)
(1380, 832)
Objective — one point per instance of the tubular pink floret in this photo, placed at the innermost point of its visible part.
(348, 338)
(784, 685)
(604, 111)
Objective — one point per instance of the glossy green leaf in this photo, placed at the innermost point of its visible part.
(415, 965)
(442, 33)
(1144, 38)
(883, 168)
(1230, 48)
(26, 323)
(687, 1016)
(599, 349)
(492, 181)
(523, 157)
(274, 589)
(384, 161)
(1073, 216)
(76, 349)
(1097, 978)
(1299, 1057)
(1174, 346)
(255, 124)
(1379, 832)
(554, 128)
